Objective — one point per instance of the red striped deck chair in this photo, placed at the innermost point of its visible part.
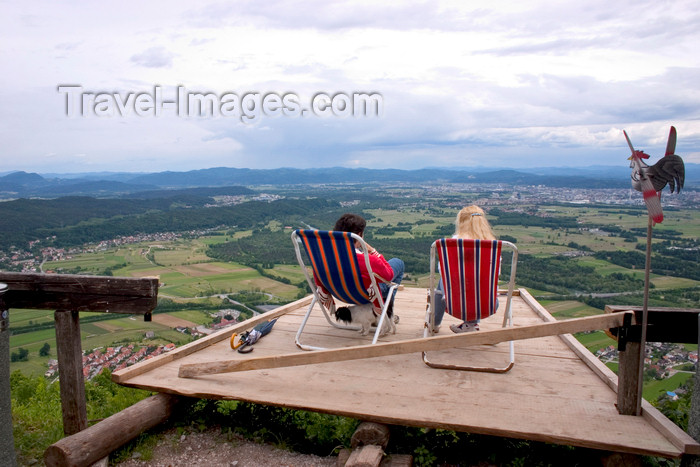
(334, 262)
(469, 270)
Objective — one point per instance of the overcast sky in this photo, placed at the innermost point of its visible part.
(490, 83)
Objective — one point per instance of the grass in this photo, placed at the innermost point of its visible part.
(569, 309)
(653, 389)
(595, 340)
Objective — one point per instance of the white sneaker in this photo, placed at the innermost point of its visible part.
(464, 327)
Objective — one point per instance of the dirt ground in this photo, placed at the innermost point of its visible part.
(213, 448)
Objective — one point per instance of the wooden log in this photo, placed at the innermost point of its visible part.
(97, 441)
(368, 433)
(70, 364)
(80, 292)
(589, 323)
(365, 456)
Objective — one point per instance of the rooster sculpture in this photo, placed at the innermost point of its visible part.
(651, 179)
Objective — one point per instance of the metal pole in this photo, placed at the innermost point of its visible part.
(645, 319)
(7, 441)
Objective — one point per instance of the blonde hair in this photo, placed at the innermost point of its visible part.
(471, 223)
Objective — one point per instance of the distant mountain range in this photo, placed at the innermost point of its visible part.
(120, 184)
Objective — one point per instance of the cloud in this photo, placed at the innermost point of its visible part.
(154, 57)
(511, 83)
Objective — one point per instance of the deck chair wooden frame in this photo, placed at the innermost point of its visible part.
(462, 264)
(334, 261)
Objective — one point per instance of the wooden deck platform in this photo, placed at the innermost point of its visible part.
(557, 392)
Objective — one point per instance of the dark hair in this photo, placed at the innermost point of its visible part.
(351, 223)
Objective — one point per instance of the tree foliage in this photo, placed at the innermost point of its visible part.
(565, 276)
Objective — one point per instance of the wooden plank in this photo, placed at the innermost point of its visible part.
(682, 440)
(409, 346)
(147, 365)
(80, 292)
(70, 363)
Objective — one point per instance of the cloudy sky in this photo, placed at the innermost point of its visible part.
(497, 84)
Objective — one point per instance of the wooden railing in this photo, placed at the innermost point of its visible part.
(68, 294)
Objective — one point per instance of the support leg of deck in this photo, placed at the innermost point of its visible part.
(70, 367)
(370, 433)
(627, 379)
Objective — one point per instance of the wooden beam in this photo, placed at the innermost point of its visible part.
(80, 292)
(665, 324)
(94, 443)
(589, 323)
(70, 364)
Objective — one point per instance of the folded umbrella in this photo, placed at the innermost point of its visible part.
(244, 341)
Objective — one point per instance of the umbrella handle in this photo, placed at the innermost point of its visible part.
(237, 340)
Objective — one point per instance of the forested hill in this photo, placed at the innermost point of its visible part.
(79, 220)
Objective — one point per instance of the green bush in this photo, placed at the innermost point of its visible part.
(36, 409)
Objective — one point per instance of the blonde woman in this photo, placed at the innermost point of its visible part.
(471, 223)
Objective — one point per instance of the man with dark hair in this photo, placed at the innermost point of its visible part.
(391, 270)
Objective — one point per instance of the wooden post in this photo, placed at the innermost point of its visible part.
(96, 442)
(628, 396)
(7, 442)
(694, 416)
(70, 364)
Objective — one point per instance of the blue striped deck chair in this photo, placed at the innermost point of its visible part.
(334, 262)
(469, 270)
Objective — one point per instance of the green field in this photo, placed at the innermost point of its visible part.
(595, 340)
(653, 389)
